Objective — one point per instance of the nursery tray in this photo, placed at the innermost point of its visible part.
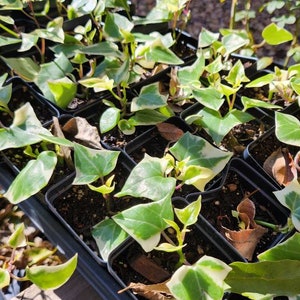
(96, 275)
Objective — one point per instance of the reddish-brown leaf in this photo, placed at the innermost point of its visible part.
(169, 131)
(157, 291)
(246, 240)
(280, 165)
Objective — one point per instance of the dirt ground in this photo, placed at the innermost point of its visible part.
(214, 15)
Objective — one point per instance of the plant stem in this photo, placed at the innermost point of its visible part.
(14, 34)
(274, 227)
(232, 14)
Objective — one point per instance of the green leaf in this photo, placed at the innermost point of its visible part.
(295, 83)
(64, 90)
(149, 98)
(249, 103)
(32, 178)
(56, 69)
(287, 129)
(209, 97)
(108, 235)
(37, 254)
(159, 53)
(106, 188)
(234, 41)
(204, 279)
(92, 164)
(166, 247)
(189, 76)
(199, 152)
(215, 66)
(99, 84)
(145, 222)
(264, 62)
(24, 67)
(114, 24)
(275, 35)
(148, 117)
(261, 81)
(4, 278)
(5, 95)
(290, 198)
(280, 278)
(53, 32)
(109, 119)
(102, 48)
(189, 214)
(217, 126)
(196, 175)
(5, 40)
(147, 174)
(52, 277)
(207, 38)
(28, 41)
(285, 250)
(25, 129)
(18, 238)
(126, 126)
(237, 75)
(14, 5)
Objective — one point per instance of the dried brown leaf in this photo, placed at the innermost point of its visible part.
(246, 210)
(246, 240)
(169, 131)
(79, 129)
(148, 268)
(280, 165)
(158, 291)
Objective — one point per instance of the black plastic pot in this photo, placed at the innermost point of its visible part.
(78, 208)
(259, 150)
(252, 130)
(210, 242)
(152, 142)
(239, 180)
(94, 273)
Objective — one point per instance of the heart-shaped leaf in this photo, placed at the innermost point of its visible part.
(290, 198)
(108, 235)
(52, 277)
(92, 164)
(287, 129)
(218, 126)
(4, 278)
(206, 277)
(32, 178)
(149, 98)
(147, 174)
(145, 222)
(275, 35)
(198, 152)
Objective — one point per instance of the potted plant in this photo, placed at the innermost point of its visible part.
(104, 57)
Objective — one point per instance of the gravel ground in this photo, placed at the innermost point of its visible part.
(214, 15)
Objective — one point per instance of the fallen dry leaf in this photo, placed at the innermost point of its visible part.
(280, 165)
(245, 240)
(169, 131)
(79, 129)
(246, 210)
(158, 291)
(148, 268)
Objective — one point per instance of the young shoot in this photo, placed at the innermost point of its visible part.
(187, 216)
